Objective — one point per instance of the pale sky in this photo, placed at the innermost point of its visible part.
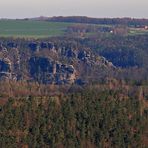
(92, 8)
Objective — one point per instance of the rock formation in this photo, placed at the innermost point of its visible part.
(48, 62)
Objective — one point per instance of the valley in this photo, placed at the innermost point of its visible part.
(73, 82)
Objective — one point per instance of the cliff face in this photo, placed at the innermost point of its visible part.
(47, 70)
(50, 62)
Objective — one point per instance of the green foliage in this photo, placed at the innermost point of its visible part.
(30, 28)
(100, 118)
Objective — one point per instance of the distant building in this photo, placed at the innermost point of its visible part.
(146, 27)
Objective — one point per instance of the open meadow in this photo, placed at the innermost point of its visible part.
(31, 28)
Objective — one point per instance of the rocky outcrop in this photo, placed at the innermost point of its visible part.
(5, 65)
(48, 71)
(50, 62)
(36, 46)
(5, 69)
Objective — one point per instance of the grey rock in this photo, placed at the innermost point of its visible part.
(50, 71)
(5, 65)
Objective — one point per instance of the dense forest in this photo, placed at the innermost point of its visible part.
(104, 115)
(109, 21)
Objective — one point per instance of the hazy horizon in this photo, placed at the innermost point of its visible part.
(95, 8)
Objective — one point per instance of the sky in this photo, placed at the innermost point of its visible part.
(91, 8)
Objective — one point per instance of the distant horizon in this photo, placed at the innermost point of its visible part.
(32, 17)
(18, 9)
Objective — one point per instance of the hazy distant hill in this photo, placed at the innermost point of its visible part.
(109, 21)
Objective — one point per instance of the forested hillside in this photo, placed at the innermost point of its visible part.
(107, 21)
(84, 83)
(98, 116)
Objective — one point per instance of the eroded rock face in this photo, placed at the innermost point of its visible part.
(49, 63)
(5, 65)
(40, 64)
(5, 69)
(35, 46)
(49, 71)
